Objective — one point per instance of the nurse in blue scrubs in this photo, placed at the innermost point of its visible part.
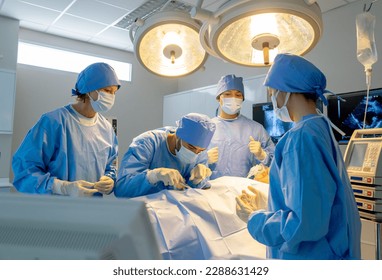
(312, 213)
(72, 150)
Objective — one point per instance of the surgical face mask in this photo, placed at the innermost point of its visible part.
(104, 102)
(231, 105)
(281, 113)
(185, 155)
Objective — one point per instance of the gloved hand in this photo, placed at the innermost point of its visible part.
(76, 188)
(199, 173)
(260, 173)
(258, 168)
(105, 185)
(213, 155)
(246, 203)
(169, 177)
(255, 148)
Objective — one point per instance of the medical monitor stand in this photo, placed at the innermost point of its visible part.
(54, 227)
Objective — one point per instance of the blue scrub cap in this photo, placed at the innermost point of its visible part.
(196, 129)
(292, 73)
(95, 76)
(230, 82)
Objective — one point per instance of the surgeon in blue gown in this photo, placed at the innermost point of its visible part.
(312, 213)
(72, 150)
(239, 143)
(171, 158)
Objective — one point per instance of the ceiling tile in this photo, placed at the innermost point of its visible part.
(127, 46)
(128, 5)
(69, 34)
(33, 26)
(55, 5)
(79, 25)
(93, 20)
(116, 36)
(26, 12)
(96, 11)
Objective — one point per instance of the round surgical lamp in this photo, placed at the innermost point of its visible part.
(167, 44)
(251, 33)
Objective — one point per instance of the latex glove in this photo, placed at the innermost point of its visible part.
(255, 148)
(260, 173)
(246, 203)
(105, 185)
(78, 188)
(255, 170)
(169, 177)
(199, 173)
(213, 155)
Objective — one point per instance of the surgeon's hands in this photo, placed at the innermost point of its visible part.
(246, 203)
(255, 148)
(78, 188)
(213, 155)
(169, 177)
(199, 173)
(105, 185)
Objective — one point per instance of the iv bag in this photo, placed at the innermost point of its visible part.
(366, 49)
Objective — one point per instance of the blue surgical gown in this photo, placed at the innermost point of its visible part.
(312, 213)
(149, 151)
(59, 146)
(232, 138)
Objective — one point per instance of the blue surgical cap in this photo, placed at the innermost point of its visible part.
(292, 73)
(196, 129)
(230, 82)
(95, 76)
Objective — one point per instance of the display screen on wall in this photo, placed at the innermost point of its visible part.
(348, 115)
(263, 114)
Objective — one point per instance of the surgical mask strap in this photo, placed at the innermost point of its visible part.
(286, 98)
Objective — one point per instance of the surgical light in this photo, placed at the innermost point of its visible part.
(251, 33)
(167, 44)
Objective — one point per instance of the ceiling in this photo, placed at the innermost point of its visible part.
(101, 22)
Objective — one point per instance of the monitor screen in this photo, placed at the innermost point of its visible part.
(263, 114)
(357, 155)
(67, 228)
(349, 115)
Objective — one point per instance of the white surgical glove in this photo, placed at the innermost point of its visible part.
(75, 188)
(169, 177)
(199, 173)
(246, 203)
(255, 170)
(255, 148)
(213, 155)
(105, 185)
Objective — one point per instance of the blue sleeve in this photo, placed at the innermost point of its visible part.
(303, 210)
(30, 163)
(131, 180)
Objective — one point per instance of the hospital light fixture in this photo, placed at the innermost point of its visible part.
(252, 32)
(167, 44)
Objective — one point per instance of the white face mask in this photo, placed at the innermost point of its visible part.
(185, 155)
(281, 113)
(231, 105)
(104, 102)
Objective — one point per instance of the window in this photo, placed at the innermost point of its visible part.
(47, 57)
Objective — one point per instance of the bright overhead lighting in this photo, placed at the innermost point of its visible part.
(167, 44)
(251, 33)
